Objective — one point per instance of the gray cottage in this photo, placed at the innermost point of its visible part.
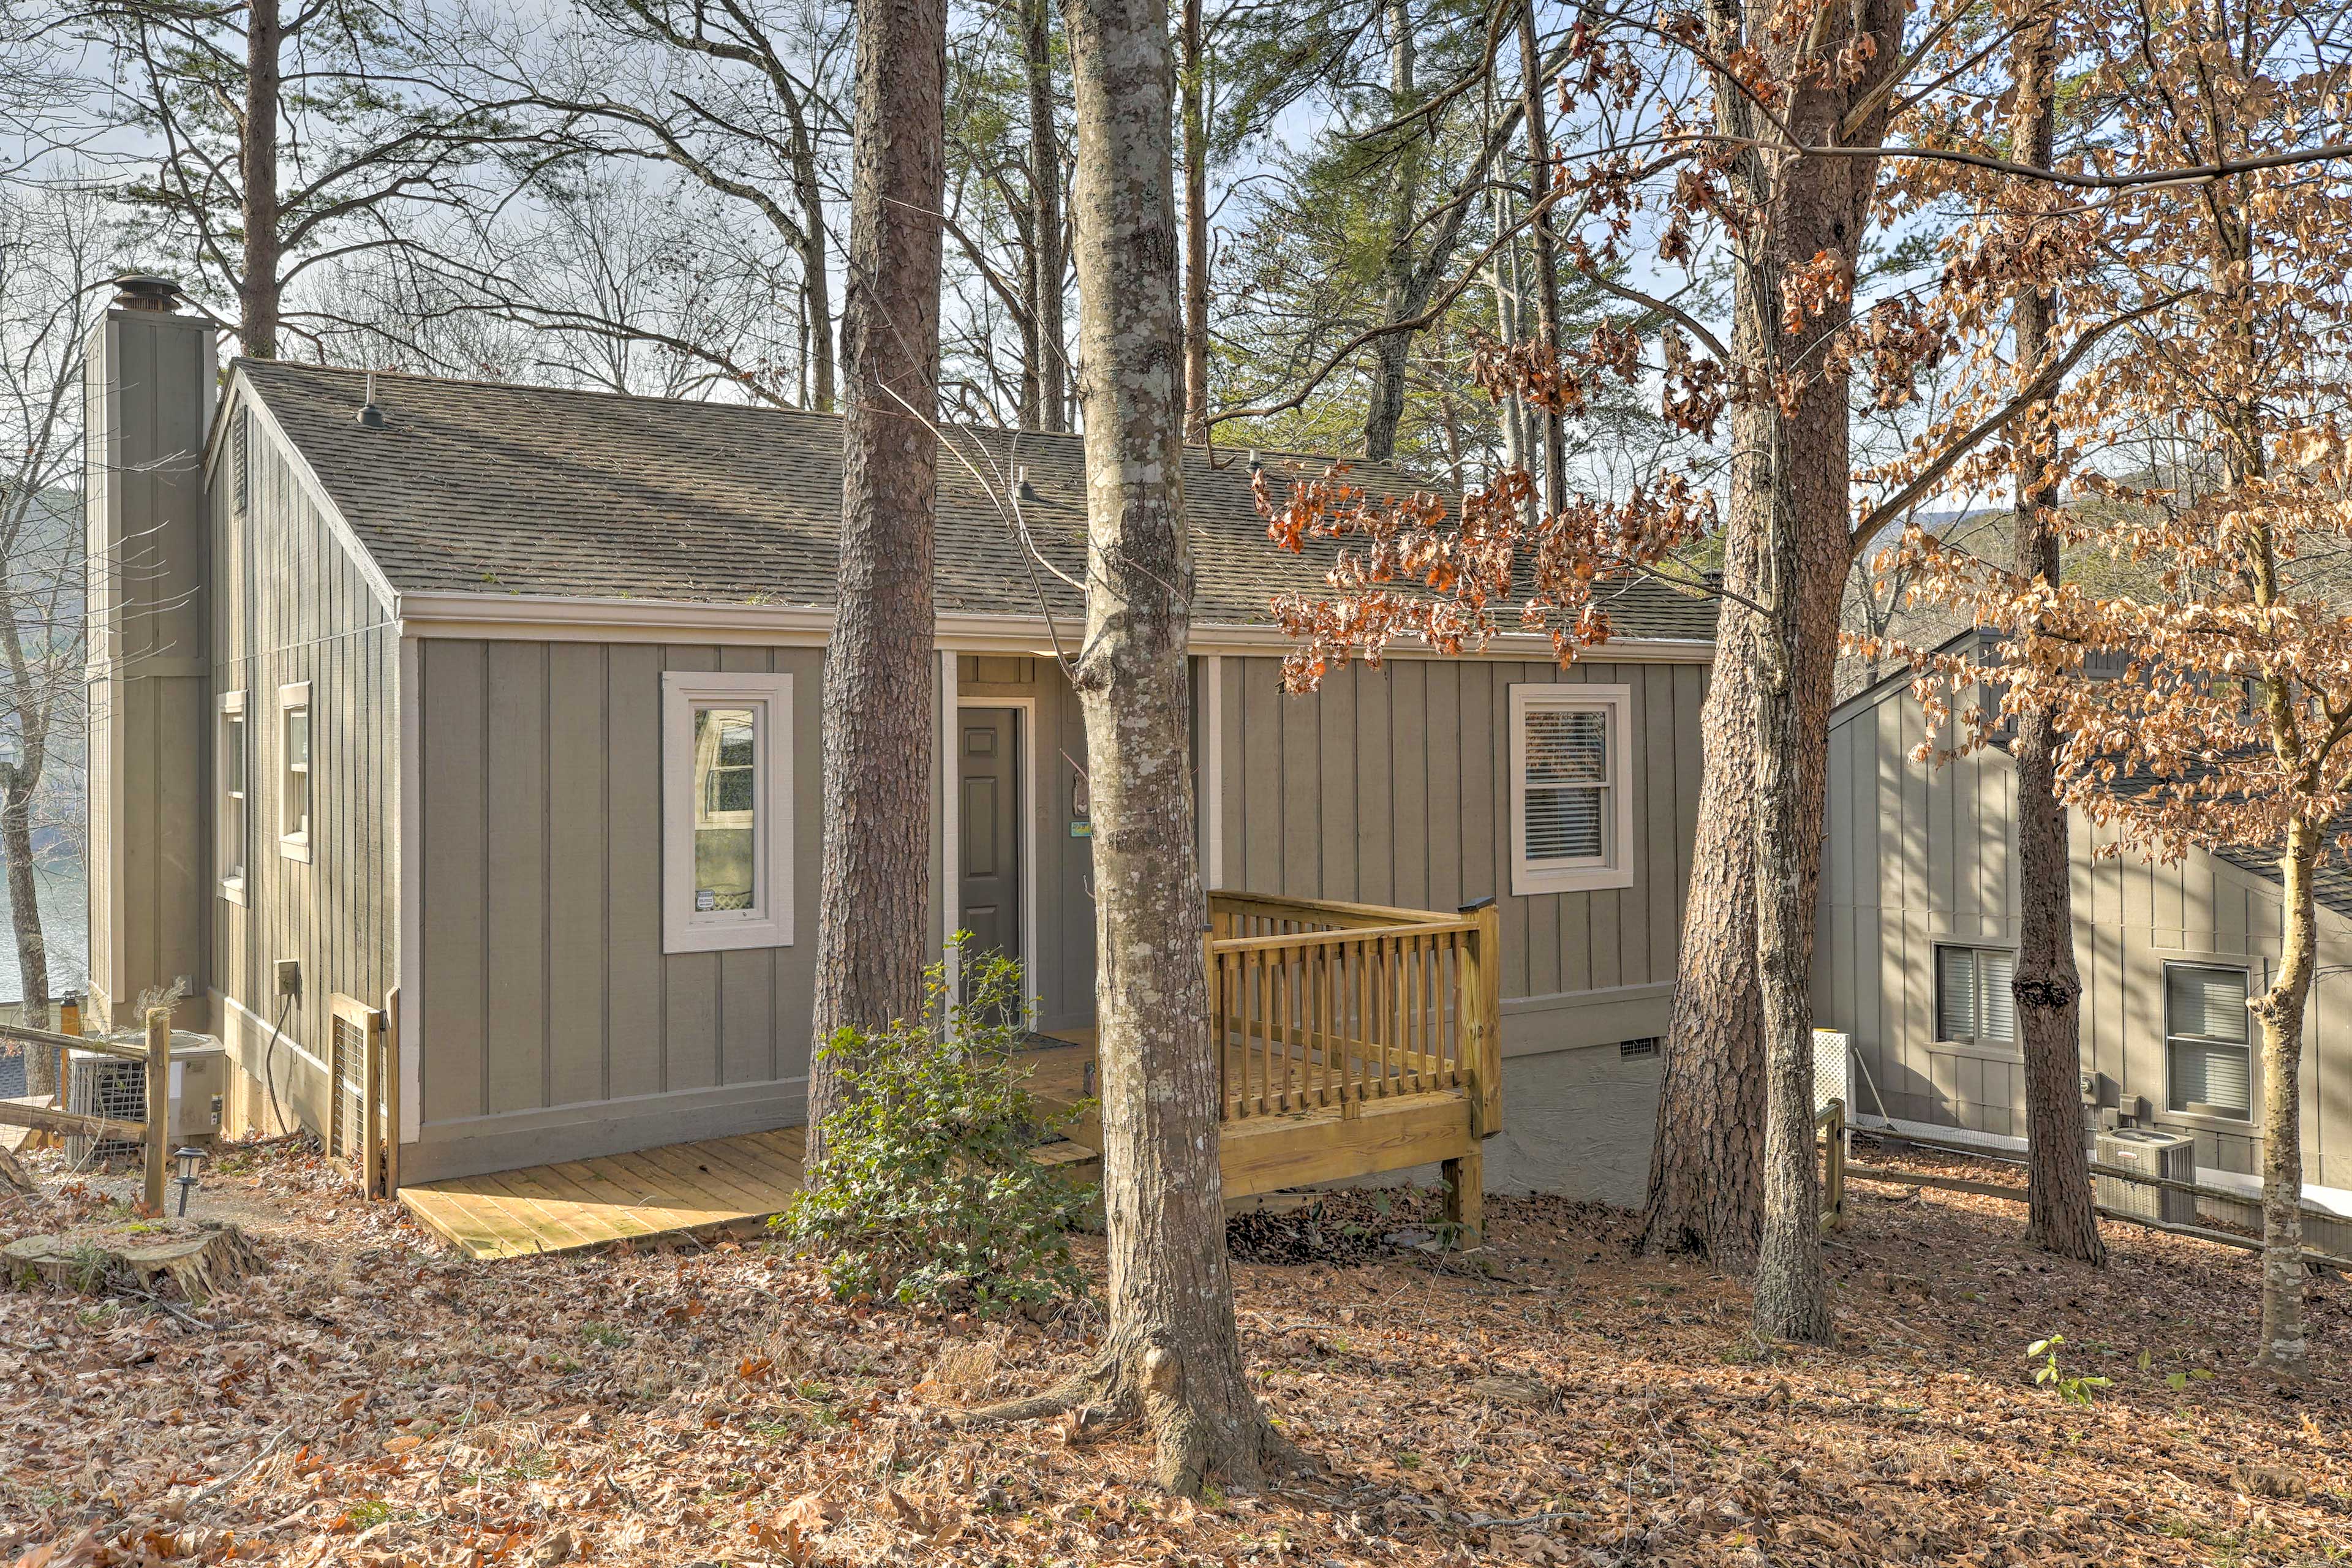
(1918, 935)
(496, 707)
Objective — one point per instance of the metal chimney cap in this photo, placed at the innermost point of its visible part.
(145, 292)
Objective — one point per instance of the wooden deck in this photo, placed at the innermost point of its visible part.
(1355, 1039)
(717, 1185)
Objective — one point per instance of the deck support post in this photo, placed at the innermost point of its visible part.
(1465, 1193)
(159, 1105)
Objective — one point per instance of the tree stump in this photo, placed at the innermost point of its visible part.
(196, 1263)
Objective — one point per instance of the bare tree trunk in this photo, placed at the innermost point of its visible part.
(1196, 233)
(2279, 1010)
(1707, 1159)
(816, 286)
(1394, 351)
(879, 689)
(1546, 282)
(258, 289)
(1174, 1354)
(1047, 260)
(1794, 459)
(2048, 987)
(1790, 478)
(16, 790)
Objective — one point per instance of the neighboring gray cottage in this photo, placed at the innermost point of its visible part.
(1917, 939)
(497, 707)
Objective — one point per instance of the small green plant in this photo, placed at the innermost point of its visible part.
(2074, 1390)
(927, 1192)
(367, 1512)
(605, 1334)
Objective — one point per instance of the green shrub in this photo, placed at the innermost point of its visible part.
(927, 1192)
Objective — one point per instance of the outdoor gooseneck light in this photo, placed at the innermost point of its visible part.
(185, 1159)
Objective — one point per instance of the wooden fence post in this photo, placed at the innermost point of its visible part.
(159, 1104)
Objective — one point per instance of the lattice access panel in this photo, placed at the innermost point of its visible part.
(359, 1120)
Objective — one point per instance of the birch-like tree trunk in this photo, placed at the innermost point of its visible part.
(1173, 1353)
(2047, 985)
(879, 687)
(2280, 1012)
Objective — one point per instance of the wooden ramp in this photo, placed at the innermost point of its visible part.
(715, 1184)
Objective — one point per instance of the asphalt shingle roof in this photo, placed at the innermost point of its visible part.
(480, 487)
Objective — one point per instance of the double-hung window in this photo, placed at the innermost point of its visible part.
(1974, 1003)
(294, 770)
(2209, 1061)
(727, 807)
(230, 762)
(1572, 800)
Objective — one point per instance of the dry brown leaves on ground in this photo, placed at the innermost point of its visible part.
(370, 1400)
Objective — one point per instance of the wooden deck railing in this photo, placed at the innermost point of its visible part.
(1321, 1004)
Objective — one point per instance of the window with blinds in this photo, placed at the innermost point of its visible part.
(2208, 1054)
(1571, 811)
(1974, 1003)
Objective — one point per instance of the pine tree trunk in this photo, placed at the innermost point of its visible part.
(1707, 1159)
(2048, 987)
(879, 689)
(1393, 353)
(1534, 91)
(1798, 466)
(1173, 1353)
(258, 291)
(1046, 261)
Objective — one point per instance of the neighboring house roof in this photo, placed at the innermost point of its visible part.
(2331, 885)
(473, 487)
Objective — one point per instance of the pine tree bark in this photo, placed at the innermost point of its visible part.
(258, 291)
(879, 687)
(1196, 231)
(1173, 1353)
(1049, 403)
(2048, 988)
(1706, 1157)
(1791, 478)
(1554, 430)
(1394, 351)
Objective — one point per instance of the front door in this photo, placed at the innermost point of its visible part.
(989, 765)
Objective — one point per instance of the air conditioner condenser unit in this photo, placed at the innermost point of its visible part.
(2169, 1155)
(116, 1089)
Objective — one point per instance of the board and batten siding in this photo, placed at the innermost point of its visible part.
(553, 1025)
(1392, 786)
(290, 603)
(1918, 856)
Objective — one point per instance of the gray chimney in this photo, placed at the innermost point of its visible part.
(150, 382)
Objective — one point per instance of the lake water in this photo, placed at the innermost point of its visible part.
(65, 920)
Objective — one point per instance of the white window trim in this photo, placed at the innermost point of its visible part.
(1615, 869)
(684, 930)
(296, 845)
(232, 706)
